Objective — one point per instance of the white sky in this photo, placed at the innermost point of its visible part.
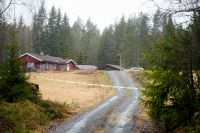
(102, 12)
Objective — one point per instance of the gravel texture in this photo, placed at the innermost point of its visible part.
(114, 115)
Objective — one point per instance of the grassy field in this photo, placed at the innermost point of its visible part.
(79, 97)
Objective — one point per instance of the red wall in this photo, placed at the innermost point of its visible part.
(28, 58)
(71, 65)
(37, 64)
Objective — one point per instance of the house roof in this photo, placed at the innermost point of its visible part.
(113, 66)
(46, 58)
(86, 67)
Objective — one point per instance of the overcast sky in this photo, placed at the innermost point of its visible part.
(102, 12)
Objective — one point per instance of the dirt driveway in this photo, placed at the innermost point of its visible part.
(114, 115)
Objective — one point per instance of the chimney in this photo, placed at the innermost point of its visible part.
(42, 53)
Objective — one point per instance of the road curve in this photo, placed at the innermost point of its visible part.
(114, 115)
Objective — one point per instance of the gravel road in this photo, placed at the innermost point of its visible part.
(114, 115)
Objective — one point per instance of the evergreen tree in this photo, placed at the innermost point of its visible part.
(13, 87)
(41, 23)
(56, 48)
(129, 46)
(3, 37)
(173, 86)
(80, 59)
(90, 42)
(66, 37)
(38, 29)
(77, 33)
(144, 36)
(157, 25)
(106, 50)
(52, 34)
(118, 35)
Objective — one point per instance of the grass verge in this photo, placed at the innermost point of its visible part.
(27, 116)
(144, 123)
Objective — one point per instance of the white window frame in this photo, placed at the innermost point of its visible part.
(47, 65)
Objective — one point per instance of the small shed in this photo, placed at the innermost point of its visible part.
(85, 67)
(45, 62)
(110, 67)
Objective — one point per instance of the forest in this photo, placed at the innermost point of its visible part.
(51, 33)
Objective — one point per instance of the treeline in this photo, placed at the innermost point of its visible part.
(51, 33)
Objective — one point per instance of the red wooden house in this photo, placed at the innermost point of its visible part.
(46, 63)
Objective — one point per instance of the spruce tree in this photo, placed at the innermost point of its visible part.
(66, 37)
(52, 32)
(118, 32)
(106, 50)
(130, 45)
(3, 36)
(172, 88)
(13, 86)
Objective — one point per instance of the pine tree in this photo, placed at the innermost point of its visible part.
(129, 46)
(3, 37)
(52, 34)
(90, 42)
(157, 25)
(38, 30)
(106, 50)
(41, 24)
(118, 35)
(144, 36)
(66, 37)
(172, 87)
(13, 87)
(77, 32)
(35, 36)
(80, 58)
(56, 48)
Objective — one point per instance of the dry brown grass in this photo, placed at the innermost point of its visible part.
(136, 77)
(82, 97)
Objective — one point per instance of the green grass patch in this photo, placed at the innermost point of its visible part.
(105, 78)
(27, 116)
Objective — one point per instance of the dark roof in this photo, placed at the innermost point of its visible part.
(86, 67)
(113, 66)
(46, 58)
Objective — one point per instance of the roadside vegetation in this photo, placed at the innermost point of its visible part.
(172, 84)
(144, 122)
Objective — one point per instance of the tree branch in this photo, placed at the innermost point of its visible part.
(6, 7)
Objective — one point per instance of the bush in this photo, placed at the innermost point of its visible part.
(44, 104)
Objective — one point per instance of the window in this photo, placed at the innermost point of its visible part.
(54, 66)
(30, 64)
(46, 65)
